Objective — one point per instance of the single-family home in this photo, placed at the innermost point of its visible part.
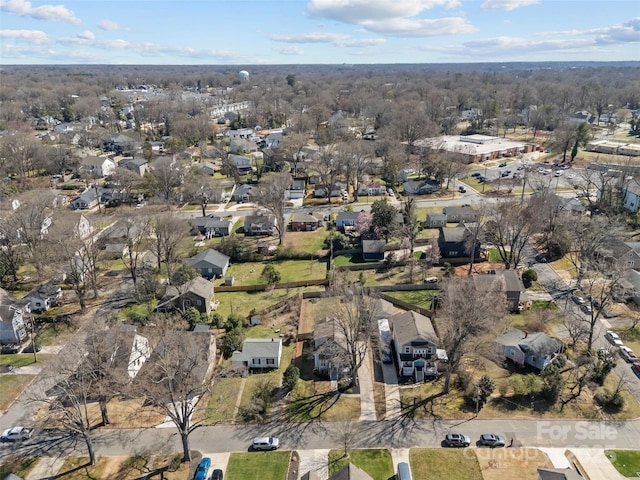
(330, 350)
(297, 189)
(241, 164)
(346, 219)
(372, 188)
(136, 165)
(82, 228)
(86, 200)
(210, 263)
(304, 222)
(258, 353)
(456, 242)
(120, 144)
(242, 194)
(261, 224)
(618, 252)
(211, 226)
(436, 220)
(464, 213)
(44, 297)
(631, 196)
(97, 167)
(558, 474)
(320, 191)
(243, 145)
(197, 293)
(373, 250)
(416, 345)
(507, 281)
(207, 168)
(129, 349)
(350, 472)
(536, 349)
(420, 187)
(13, 326)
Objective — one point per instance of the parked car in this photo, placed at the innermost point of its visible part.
(613, 338)
(15, 434)
(578, 299)
(627, 354)
(265, 443)
(217, 474)
(635, 368)
(503, 164)
(492, 440)
(203, 469)
(5, 367)
(9, 349)
(476, 174)
(31, 348)
(456, 440)
(461, 189)
(586, 308)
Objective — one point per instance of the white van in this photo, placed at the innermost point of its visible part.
(404, 472)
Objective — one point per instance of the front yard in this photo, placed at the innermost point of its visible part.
(258, 466)
(376, 462)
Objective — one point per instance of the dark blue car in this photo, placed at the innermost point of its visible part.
(203, 469)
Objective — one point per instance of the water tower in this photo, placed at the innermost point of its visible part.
(244, 75)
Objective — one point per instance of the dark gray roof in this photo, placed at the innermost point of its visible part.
(558, 474)
(348, 216)
(329, 330)
(199, 286)
(261, 347)
(373, 246)
(410, 325)
(455, 234)
(512, 282)
(210, 256)
(350, 472)
(538, 342)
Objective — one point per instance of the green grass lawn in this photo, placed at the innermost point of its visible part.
(17, 464)
(376, 462)
(258, 466)
(54, 333)
(311, 400)
(241, 303)
(627, 462)
(290, 271)
(222, 401)
(420, 298)
(22, 359)
(443, 464)
(10, 387)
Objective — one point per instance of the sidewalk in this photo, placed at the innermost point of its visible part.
(365, 380)
(45, 468)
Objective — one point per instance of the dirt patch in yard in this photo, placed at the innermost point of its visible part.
(520, 463)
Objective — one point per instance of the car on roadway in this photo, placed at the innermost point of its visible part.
(503, 164)
(613, 338)
(586, 308)
(492, 440)
(9, 349)
(265, 443)
(203, 469)
(578, 299)
(476, 174)
(627, 354)
(456, 440)
(558, 173)
(15, 434)
(31, 348)
(635, 368)
(461, 189)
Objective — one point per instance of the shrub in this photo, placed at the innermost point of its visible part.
(290, 377)
(270, 274)
(232, 341)
(611, 402)
(528, 277)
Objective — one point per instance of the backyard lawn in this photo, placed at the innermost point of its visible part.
(289, 270)
(376, 462)
(242, 303)
(443, 464)
(258, 466)
(420, 298)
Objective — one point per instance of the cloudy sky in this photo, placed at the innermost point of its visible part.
(249, 32)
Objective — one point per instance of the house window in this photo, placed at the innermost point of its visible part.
(255, 361)
(407, 349)
(453, 253)
(271, 361)
(210, 270)
(629, 263)
(198, 302)
(533, 359)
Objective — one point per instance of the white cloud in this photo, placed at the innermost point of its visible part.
(110, 26)
(408, 27)
(290, 50)
(51, 13)
(86, 35)
(337, 39)
(507, 5)
(29, 36)
(359, 11)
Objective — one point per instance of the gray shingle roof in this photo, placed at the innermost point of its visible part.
(210, 256)
(409, 326)
(538, 342)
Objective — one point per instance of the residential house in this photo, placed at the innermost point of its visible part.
(242, 194)
(211, 226)
(372, 188)
(242, 164)
(582, 117)
(535, 349)
(320, 191)
(243, 145)
(464, 213)
(350, 472)
(121, 144)
(210, 263)
(373, 250)
(208, 168)
(346, 219)
(330, 350)
(297, 189)
(273, 140)
(13, 326)
(435, 220)
(261, 224)
(130, 350)
(456, 242)
(197, 293)
(258, 353)
(620, 253)
(44, 297)
(97, 167)
(90, 198)
(558, 474)
(509, 282)
(416, 345)
(420, 187)
(136, 165)
(116, 238)
(83, 228)
(631, 196)
(304, 222)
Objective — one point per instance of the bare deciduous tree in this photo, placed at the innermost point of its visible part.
(168, 230)
(270, 195)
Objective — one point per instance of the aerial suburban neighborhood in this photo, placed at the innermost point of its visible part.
(298, 272)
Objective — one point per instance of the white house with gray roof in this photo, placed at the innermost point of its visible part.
(536, 349)
(258, 353)
(210, 263)
(416, 345)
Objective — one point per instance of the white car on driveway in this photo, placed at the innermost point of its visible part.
(613, 338)
(16, 434)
